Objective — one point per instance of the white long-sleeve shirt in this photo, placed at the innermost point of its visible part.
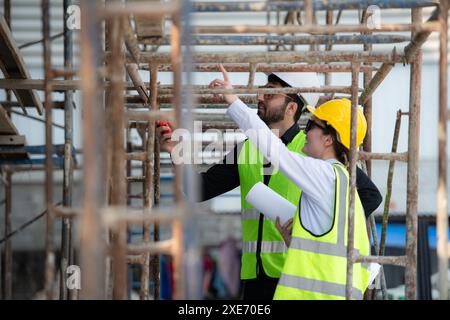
(315, 177)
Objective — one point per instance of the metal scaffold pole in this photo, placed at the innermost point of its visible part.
(67, 253)
(352, 171)
(49, 245)
(118, 168)
(92, 233)
(413, 171)
(442, 198)
(7, 266)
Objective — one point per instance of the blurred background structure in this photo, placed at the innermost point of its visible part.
(84, 183)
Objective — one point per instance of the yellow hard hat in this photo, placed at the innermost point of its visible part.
(336, 113)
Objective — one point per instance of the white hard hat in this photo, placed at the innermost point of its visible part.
(301, 79)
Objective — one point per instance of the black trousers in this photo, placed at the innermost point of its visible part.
(261, 288)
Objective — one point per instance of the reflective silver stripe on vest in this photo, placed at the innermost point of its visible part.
(250, 214)
(343, 188)
(320, 247)
(318, 286)
(266, 246)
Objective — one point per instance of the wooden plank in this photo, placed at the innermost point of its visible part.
(12, 140)
(12, 154)
(6, 125)
(38, 84)
(148, 27)
(13, 66)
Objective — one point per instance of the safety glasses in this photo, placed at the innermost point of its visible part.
(270, 96)
(311, 124)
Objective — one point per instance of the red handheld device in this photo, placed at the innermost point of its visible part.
(161, 123)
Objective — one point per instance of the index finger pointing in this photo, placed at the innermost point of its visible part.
(224, 72)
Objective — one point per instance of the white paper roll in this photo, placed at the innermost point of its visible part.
(374, 269)
(270, 203)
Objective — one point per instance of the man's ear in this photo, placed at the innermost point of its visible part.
(291, 108)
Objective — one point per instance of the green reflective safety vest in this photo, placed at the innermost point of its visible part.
(273, 248)
(316, 266)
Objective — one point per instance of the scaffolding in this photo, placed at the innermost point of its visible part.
(110, 114)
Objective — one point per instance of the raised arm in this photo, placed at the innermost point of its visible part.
(313, 176)
(309, 174)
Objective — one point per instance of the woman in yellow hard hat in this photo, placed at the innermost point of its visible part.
(316, 262)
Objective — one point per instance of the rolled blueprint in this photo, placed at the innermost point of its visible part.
(270, 203)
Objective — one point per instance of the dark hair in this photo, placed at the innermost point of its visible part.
(293, 97)
(340, 150)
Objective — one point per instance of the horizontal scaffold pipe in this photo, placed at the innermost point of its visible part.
(241, 6)
(64, 85)
(204, 99)
(392, 260)
(235, 40)
(149, 10)
(202, 90)
(317, 29)
(280, 57)
(264, 67)
(383, 156)
(324, 89)
(113, 216)
(207, 101)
